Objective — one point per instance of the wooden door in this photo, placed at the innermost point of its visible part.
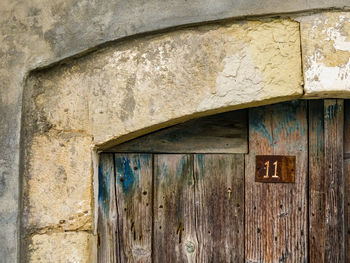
(276, 214)
(188, 193)
(173, 208)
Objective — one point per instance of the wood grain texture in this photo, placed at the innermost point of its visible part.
(317, 192)
(347, 209)
(334, 181)
(174, 238)
(276, 214)
(219, 196)
(134, 206)
(347, 178)
(346, 129)
(107, 212)
(221, 133)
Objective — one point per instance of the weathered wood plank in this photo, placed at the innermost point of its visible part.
(174, 238)
(221, 133)
(107, 212)
(316, 182)
(347, 209)
(134, 205)
(347, 178)
(219, 195)
(334, 181)
(326, 183)
(276, 214)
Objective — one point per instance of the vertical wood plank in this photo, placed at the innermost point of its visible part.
(316, 182)
(347, 209)
(334, 181)
(327, 217)
(174, 237)
(347, 178)
(107, 213)
(276, 214)
(134, 206)
(219, 195)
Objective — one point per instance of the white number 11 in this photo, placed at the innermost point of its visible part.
(267, 165)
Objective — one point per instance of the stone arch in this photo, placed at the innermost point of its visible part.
(40, 35)
(74, 110)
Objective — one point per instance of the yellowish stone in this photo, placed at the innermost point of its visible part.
(326, 54)
(69, 247)
(59, 183)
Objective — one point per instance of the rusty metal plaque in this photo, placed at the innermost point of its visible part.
(275, 169)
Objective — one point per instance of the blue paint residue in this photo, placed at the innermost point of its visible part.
(288, 120)
(200, 160)
(288, 124)
(103, 188)
(200, 163)
(126, 177)
(256, 124)
(181, 166)
(331, 111)
(164, 169)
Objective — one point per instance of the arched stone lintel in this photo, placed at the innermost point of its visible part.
(130, 89)
(125, 91)
(114, 141)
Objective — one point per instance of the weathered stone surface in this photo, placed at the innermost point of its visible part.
(146, 82)
(37, 33)
(58, 183)
(326, 54)
(135, 86)
(69, 247)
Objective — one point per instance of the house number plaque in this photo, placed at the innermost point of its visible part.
(275, 169)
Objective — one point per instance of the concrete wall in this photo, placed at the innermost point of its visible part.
(38, 33)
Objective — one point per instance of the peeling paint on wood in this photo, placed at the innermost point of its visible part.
(206, 208)
(134, 206)
(107, 229)
(276, 214)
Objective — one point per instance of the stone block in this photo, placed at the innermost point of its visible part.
(58, 183)
(325, 39)
(64, 247)
(166, 78)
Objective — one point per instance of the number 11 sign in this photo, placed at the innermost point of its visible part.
(275, 169)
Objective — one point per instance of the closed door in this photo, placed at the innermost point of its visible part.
(189, 194)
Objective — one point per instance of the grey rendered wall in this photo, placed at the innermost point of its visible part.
(37, 33)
